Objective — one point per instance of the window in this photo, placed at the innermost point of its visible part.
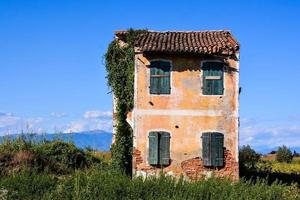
(213, 78)
(160, 77)
(159, 148)
(212, 149)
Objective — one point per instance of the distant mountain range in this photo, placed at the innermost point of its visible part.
(99, 140)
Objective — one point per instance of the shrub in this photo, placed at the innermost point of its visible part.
(264, 166)
(62, 156)
(24, 142)
(248, 157)
(284, 154)
(296, 154)
(26, 185)
(57, 157)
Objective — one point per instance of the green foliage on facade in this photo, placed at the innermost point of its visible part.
(284, 154)
(119, 62)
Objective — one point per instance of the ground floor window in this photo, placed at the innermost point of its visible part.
(159, 148)
(213, 149)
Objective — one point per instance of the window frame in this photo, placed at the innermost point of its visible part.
(149, 76)
(202, 77)
(223, 147)
(158, 151)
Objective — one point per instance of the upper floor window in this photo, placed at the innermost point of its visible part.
(160, 77)
(159, 148)
(213, 76)
(213, 149)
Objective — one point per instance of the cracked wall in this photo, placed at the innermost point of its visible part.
(185, 114)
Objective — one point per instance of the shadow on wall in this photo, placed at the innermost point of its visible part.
(185, 65)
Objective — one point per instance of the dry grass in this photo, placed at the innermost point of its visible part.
(272, 157)
(293, 167)
(269, 157)
(105, 155)
(286, 167)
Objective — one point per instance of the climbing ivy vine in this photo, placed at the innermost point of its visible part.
(119, 62)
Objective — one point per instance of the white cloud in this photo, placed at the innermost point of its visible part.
(7, 119)
(97, 114)
(5, 114)
(76, 126)
(58, 114)
(57, 122)
(89, 125)
(263, 135)
(10, 124)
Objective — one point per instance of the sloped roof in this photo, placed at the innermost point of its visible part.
(193, 42)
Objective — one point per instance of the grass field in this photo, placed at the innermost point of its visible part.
(99, 184)
(59, 170)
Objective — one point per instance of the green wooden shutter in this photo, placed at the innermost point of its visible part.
(217, 151)
(164, 148)
(206, 154)
(206, 83)
(218, 84)
(160, 77)
(153, 148)
(213, 86)
(154, 84)
(213, 149)
(165, 81)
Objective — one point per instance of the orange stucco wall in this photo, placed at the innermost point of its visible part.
(185, 114)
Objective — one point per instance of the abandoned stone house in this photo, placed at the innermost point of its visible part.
(185, 119)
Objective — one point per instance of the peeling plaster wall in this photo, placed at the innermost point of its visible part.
(185, 114)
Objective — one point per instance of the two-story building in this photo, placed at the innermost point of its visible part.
(185, 119)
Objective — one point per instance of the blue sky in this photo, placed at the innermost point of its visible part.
(52, 76)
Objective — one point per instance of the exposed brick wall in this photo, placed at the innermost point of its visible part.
(194, 169)
(137, 158)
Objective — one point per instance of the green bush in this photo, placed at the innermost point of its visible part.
(56, 157)
(26, 185)
(63, 156)
(24, 142)
(264, 166)
(248, 157)
(284, 154)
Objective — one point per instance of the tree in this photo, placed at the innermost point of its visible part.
(248, 157)
(284, 154)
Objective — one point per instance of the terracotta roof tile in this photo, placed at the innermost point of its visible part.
(196, 42)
